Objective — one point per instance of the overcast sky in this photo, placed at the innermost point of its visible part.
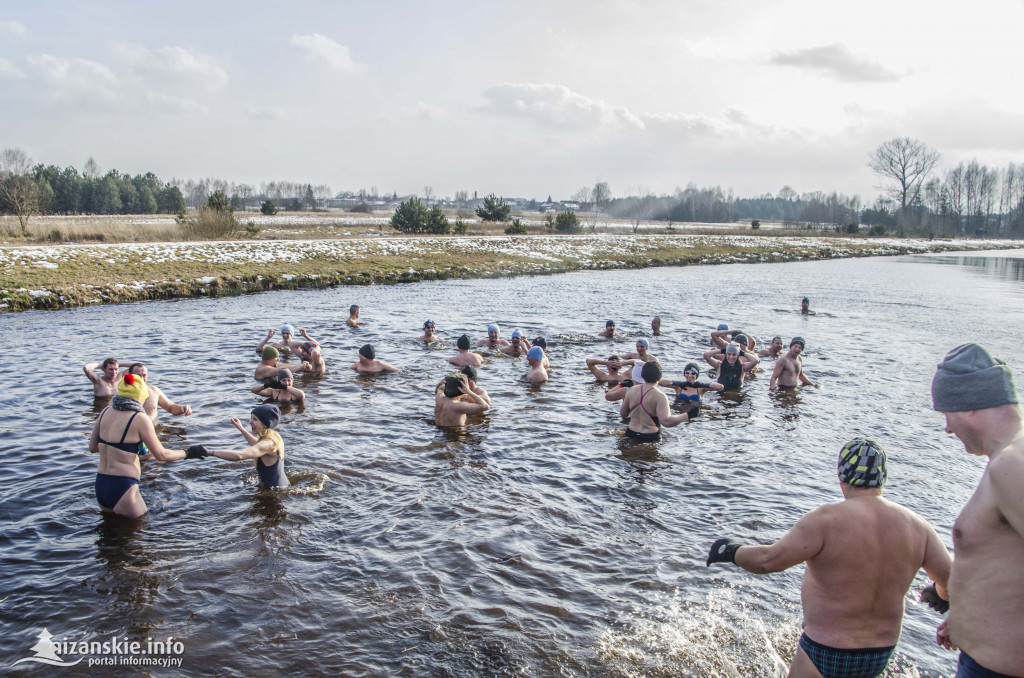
(520, 98)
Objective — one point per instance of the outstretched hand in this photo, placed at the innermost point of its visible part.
(237, 423)
(270, 333)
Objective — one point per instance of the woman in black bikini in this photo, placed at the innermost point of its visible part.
(121, 438)
(647, 407)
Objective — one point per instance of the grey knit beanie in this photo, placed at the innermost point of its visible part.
(969, 378)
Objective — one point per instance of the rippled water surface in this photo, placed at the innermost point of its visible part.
(534, 542)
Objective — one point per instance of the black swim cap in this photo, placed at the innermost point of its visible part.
(741, 339)
(610, 323)
(453, 385)
(469, 371)
(542, 342)
(367, 352)
(691, 367)
(463, 342)
(651, 372)
(269, 415)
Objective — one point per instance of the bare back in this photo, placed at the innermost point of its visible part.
(853, 589)
(111, 426)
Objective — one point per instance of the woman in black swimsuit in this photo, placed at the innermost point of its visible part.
(121, 438)
(647, 407)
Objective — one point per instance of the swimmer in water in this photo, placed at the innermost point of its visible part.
(646, 407)
(656, 326)
(281, 389)
(471, 374)
(156, 396)
(609, 330)
(428, 333)
(805, 307)
(368, 361)
(641, 353)
(518, 346)
(104, 385)
(464, 355)
(493, 339)
(122, 438)
(537, 374)
(773, 350)
(612, 366)
(454, 399)
(353, 316)
(265, 446)
(789, 369)
(287, 344)
(311, 354)
(733, 365)
(543, 343)
(267, 369)
(722, 337)
(862, 556)
(689, 391)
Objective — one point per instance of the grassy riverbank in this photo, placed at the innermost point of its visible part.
(65, 275)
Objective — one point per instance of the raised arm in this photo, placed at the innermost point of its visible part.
(249, 438)
(713, 357)
(305, 335)
(90, 371)
(753, 360)
(263, 344)
(478, 404)
(665, 415)
(718, 338)
(592, 364)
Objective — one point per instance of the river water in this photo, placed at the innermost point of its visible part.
(534, 542)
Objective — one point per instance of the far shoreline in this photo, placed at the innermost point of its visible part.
(51, 277)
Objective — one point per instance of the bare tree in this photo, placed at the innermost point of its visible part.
(581, 196)
(428, 193)
(19, 192)
(907, 162)
(91, 169)
(601, 194)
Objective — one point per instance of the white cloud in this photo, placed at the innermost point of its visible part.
(174, 63)
(556, 106)
(836, 60)
(323, 50)
(15, 28)
(267, 113)
(74, 78)
(9, 70)
(427, 111)
(166, 103)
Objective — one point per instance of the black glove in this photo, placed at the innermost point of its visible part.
(627, 383)
(930, 595)
(693, 412)
(273, 383)
(197, 452)
(700, 384)
(723, 551)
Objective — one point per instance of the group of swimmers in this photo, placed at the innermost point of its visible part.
(862, 554)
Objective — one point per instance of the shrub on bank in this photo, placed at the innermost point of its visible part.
(567, 222)
(412, 216)
(208, 224)
(268, 208)
(516, 227)
(494, 209)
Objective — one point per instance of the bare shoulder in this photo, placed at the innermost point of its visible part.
(1006, 473)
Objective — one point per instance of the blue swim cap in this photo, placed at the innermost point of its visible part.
(644, 342)
(493, 327)
(535, 353)
(287, 328)
(723, 326)
(517, 333)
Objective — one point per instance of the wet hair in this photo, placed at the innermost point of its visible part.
(614, 357)
(453, 385)
(353, 308)
(463, 342)
(805, 300)
(109, 361)
(774, 338)
(366, 350)
(610, 323)
(469, 371)
(651, 372)
(131, 370)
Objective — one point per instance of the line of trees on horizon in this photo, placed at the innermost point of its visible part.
(969, 198)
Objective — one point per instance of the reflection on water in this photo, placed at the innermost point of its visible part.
(537, 540)
(1008, 266)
